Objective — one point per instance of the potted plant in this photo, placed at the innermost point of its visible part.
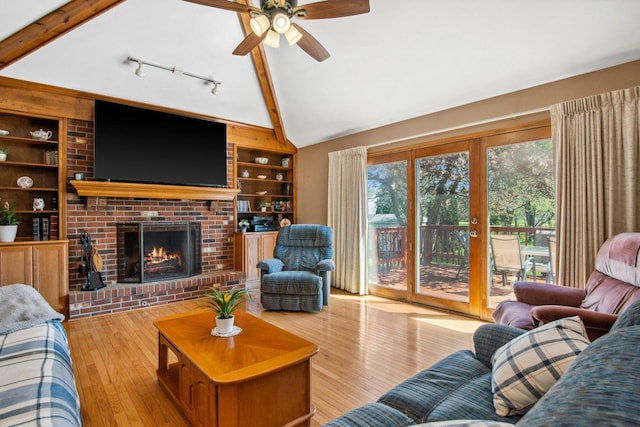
(9, 222)
(243, 225)
(224, 304)
(3, 154)
(264, 205)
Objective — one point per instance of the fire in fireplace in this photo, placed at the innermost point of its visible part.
(158, 251)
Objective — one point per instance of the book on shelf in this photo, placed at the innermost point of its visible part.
(53, 227)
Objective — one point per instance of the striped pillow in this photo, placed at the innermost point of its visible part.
(526, 367)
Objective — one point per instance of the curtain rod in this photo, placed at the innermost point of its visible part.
(463, 126)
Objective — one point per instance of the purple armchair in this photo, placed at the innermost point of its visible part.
(612, 287)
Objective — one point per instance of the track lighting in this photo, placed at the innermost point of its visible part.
(178, 71)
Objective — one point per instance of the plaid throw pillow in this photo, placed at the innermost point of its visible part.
(526, 367)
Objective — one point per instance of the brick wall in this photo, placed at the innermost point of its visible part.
(99, 216)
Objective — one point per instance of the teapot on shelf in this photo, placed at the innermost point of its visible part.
(41, 134)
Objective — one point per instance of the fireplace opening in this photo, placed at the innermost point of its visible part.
(150, 252)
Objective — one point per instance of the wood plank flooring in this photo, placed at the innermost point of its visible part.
(367, 345)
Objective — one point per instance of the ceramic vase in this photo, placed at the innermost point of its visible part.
(8, 233)
(224, 326)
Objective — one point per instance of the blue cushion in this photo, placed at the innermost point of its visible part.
(372, 415)
(420, 394)
(292, 283)
(470, 399)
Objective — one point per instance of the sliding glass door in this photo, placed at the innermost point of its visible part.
(436, 213)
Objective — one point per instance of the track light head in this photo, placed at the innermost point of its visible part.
(140, 70)
(216, 88)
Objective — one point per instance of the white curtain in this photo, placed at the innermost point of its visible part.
(347, 215)
(597, 161)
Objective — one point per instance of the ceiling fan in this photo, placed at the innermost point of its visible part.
(273, 19)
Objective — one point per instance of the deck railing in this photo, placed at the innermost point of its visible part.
(439, 244)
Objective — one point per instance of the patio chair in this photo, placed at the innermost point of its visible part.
(507, 258)
(463, 239)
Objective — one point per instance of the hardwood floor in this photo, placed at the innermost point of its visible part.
(367, 345)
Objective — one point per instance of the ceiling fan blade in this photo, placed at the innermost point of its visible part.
(227, 5)
(331, 9)
(310, 45)
(249, 43)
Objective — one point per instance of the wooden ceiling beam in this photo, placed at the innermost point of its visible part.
(51, 26)
(266, 83)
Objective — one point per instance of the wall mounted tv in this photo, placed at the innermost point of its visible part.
(147, 146)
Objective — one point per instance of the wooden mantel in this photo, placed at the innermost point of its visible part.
(151, 191)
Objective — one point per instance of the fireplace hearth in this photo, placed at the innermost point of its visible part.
(158, 251)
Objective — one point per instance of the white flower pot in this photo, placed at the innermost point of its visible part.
(3, 157)
(8, 233)
(224, 326)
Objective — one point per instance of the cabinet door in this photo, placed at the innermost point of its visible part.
(252, 256)
(185, 386)
(50, 273)
(268, 243)
(204, 410)
(16, 265)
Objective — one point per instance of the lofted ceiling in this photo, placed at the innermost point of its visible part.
(404, 59)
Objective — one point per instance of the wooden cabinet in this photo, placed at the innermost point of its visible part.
(271, 182)
(42, 265)
(40, 163)
(249, 249)
(189, 386)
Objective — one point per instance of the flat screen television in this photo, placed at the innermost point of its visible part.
(135, 144)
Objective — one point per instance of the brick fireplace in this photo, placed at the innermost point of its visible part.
(99, 217)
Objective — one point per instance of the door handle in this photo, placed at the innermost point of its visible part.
(473, 233)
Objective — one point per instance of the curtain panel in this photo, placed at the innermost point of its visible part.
(597, 160)
(347, 215)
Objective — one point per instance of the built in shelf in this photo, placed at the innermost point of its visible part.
(151, 191)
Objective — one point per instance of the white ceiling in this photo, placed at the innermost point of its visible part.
(402, 60)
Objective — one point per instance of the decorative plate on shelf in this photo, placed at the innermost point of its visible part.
(4, 132)
(25, 182)
(284, 222)
(262, 176)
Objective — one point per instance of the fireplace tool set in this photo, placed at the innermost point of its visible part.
(93, 261)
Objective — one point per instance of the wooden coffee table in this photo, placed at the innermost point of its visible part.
(260, 377)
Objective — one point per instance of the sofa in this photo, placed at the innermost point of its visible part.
(597, 385)
(37, 385)
(612, 287)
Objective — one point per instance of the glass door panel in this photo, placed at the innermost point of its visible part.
(520, 200)
(387, 226)
(442, 218)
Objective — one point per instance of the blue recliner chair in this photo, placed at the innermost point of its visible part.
(298, 278)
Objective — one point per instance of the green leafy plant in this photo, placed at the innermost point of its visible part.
(264, 204)
(224, 303)
(8, 215)
(4, 150)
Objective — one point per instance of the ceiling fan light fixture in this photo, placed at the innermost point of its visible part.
(272, 39)
(259, 24)
(293, 36)
(281, 23)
